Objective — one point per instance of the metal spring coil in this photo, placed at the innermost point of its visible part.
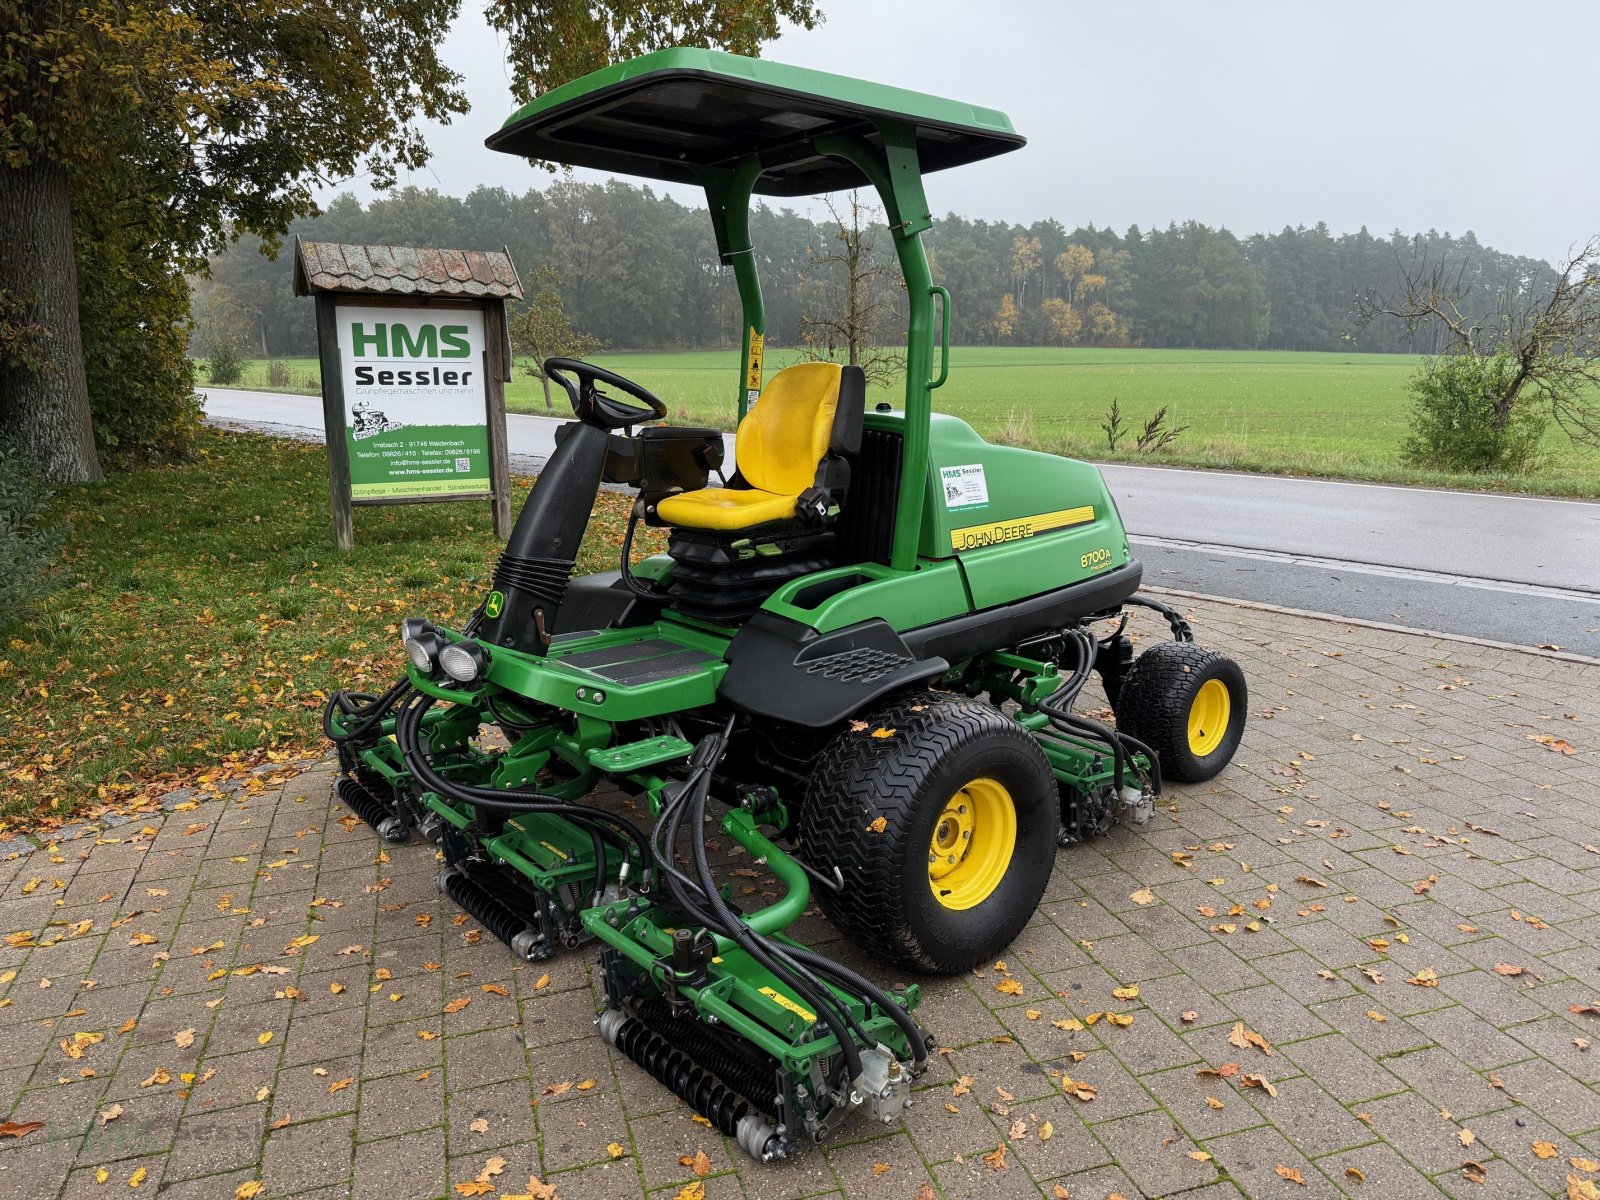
(359, 799)
(701, 1090)
(492, 913)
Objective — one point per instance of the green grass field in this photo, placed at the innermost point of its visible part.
(1338, 415)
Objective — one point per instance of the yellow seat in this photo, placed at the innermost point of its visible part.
(780, 444)
(726, 508)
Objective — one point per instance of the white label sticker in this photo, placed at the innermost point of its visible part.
(964, 487)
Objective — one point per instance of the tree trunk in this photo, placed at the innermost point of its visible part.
(48, 409)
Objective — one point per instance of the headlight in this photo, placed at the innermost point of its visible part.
(423, 650)
(412, 626)
(464, 661)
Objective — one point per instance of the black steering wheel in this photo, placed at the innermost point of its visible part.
(591, 405)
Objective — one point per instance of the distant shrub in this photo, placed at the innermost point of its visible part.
(225, 364)
(1114, 426)
(278, 373)
(29, 538)
(1455, 425)
(1157, 434)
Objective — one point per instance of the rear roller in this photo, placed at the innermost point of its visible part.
(524, 939)
(361, 792)
(747, 1118)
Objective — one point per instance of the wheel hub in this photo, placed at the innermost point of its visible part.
(1208, 717)
(972, 844)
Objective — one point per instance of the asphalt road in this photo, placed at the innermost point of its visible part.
(1508, 568)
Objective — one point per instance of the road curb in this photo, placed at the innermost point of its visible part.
(1486, 643)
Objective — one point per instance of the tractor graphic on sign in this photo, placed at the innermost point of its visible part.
(367, 421)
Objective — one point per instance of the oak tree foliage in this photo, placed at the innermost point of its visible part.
(139, 137)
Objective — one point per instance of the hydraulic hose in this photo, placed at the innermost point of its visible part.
(749, 942)
(688, 894)
(580, 815)
(642, 590)
(371, 710)
(916, 1038)
(1058, 707)
(511, 800)
(1181, 631)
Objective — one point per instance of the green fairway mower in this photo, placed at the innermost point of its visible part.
(859, 653)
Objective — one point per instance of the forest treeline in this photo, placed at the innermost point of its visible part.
(639, 270)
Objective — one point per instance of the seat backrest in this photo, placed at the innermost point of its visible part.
(796, 422)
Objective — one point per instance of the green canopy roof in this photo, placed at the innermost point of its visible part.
(671, 114)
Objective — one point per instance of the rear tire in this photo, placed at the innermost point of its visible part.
(1186, 703)
(969, 810)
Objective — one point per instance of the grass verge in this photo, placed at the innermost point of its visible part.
(206, 616)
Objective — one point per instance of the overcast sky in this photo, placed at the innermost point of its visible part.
(1250, 114)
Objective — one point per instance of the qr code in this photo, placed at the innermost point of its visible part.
(463, 464)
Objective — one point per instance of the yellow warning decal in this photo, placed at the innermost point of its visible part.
(783, 1001)
(556, 850)
(975, 537)
(758, 344)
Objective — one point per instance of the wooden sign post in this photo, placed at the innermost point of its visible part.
(415, 354)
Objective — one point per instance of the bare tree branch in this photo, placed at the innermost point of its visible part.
(850, 294)
(1549, 335)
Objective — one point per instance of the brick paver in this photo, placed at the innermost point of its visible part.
(1390, 822)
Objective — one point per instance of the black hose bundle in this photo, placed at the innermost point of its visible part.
(642, 588)
(604, 827)
(1058, 707)
(701, 901)
(366, 708)
(698, 898)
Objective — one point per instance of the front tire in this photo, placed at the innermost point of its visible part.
(1186, 703)
(941, 814)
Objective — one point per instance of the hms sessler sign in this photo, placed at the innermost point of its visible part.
(415, 414)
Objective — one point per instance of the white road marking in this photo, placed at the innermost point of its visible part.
(1335, 564)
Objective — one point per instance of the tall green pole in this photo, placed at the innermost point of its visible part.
(728, 197)
(896, 174)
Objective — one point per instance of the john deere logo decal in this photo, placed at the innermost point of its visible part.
(493, 605)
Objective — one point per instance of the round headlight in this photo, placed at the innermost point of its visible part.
(423, 650)
(463, 661)
(412, 626)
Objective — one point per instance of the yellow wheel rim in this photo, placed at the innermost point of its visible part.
(973, 841)
(1208, 717)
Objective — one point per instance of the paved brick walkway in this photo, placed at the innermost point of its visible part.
(1395, 886)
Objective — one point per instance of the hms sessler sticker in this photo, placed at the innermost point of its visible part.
(964, 487)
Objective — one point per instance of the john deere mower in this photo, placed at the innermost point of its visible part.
(859, 654)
